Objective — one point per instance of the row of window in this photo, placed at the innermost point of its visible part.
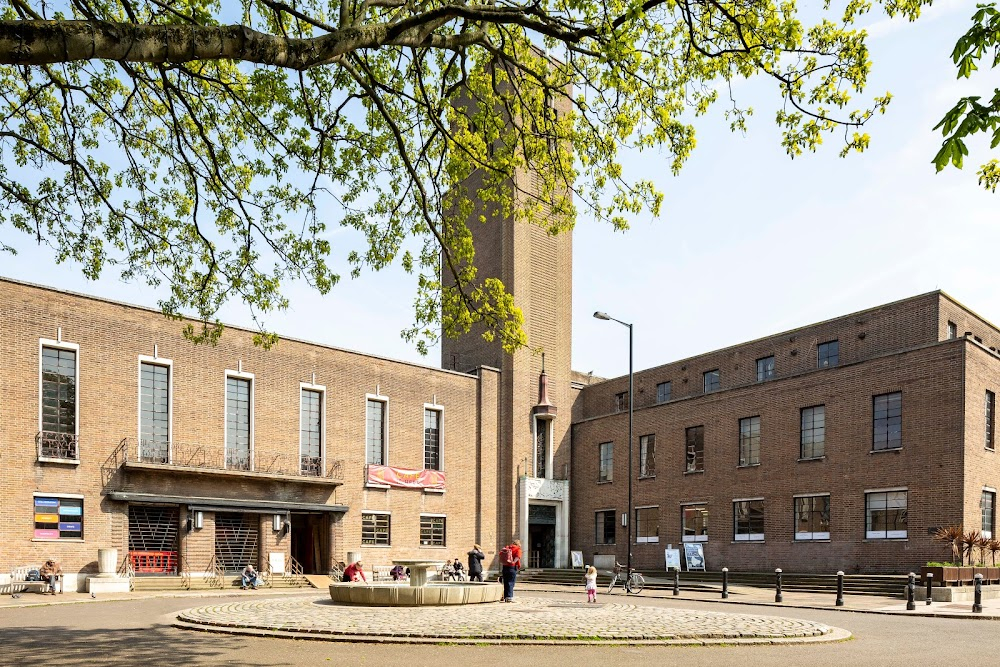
(376, 529)
(59, 411)
(887, 422)
(885, 518)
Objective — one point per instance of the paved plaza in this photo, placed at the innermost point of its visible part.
(528, 620)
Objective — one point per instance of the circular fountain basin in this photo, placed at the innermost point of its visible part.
(402, 594)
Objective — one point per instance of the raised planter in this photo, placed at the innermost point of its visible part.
(965, 574)
(942, 575)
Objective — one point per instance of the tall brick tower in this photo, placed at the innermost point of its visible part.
(532, 501)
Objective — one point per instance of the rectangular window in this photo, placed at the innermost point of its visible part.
(991, 404)
(887, 421)
(432, 439)
(621, 402)
(375, 419)
(311, 432)
(712, 382)
(431, 531)
(694, 446)
(748, 520)
(885, 515)
(647, 455)
(694, 523)
(604, 527)
(58, 437)
(663, 392)
(812, 518)
(238, 420)
(647, 525)
(154, 413)
(541, 446)
(828, 354)
(750, 441)
(58, 518)
(952, 330)
(607, 470)
(375, 528)
(765, 368)
(988, 504)
(812, 436)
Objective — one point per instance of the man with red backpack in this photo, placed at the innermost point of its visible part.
(510, 562)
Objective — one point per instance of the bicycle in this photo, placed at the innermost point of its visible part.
(633, 584)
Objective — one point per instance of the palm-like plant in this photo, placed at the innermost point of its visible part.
(982, 546)
(994, 547)
(952, 535)
(969, 542)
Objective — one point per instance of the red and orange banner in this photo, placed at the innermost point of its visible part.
(408, 479)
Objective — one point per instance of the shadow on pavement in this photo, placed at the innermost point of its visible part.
(59, 646)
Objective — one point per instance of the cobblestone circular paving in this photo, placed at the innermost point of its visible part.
(528, 620)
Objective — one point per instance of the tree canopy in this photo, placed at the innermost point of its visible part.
(213, 147)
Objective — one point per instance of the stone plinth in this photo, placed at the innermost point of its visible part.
(955, 593)
(104, 584)
(404, 595)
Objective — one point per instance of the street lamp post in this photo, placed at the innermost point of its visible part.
(631, 399)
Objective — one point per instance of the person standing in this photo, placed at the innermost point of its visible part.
(51, 572)
(510, 560)
(591, 579)
(476, 557)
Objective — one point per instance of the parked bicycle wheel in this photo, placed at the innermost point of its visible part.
(614, 580)
(635, 583)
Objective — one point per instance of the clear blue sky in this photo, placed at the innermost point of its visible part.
(749, 243)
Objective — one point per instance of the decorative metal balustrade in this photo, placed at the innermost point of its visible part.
(62, 446)
(208, 457)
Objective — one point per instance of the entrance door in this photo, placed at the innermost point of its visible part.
(152, 539)
(236, 541)
(309, 541)
(541, 536)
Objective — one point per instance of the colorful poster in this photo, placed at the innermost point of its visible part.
(407, 479)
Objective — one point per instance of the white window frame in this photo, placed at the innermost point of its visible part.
(169, 365)
(804, 536)
(692, 538)
(986, 489)
(225, 402)
(889, 534)
(378, 546)
(322, 425)
(440, 410)
(648, 539)
(60, 345)
(385, 427)
(600, 460)
(432, 516)
(548, 441)
(749, 537)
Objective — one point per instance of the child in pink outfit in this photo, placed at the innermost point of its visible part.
(591, 579)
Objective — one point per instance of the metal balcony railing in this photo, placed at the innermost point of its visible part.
(53, 445)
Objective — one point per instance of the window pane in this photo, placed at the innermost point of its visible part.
(885, 515)
(813, 432)
(647, 455)
(238, 423)
(647, 524)
(749, 441)
(432, 440)
(607, 462)
(432, 532)
(887, 421)
(694, 438)
(375, 529)
(828, 354)
(712, 381)
(663, 392)
(604, 527)
(812, 518)
(765, 368)
(990, 420)
(694, 523)
(58, 391)
(375, 449)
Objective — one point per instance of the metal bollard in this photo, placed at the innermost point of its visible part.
(677, 582)
(840, 589)
(977, 605)
(725, 583)
(930, 581)
(911, 589)
(777, 584)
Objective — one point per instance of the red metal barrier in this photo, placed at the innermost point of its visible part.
(153, 562)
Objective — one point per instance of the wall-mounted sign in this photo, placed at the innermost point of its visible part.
(407, 479)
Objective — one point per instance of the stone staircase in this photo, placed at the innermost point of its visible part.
(177, 583)
(892, 585)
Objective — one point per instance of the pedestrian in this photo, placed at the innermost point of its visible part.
(510, 561)
(354, 572)
(398, 573)
(249, 577)
(591, 579)
(51, 572)
(476, 557)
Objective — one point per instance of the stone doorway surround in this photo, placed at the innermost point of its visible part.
(553, 492)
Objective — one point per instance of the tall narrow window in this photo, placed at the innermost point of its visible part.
(694, 445)
(647, 455)
(541, 447)
(604, 527)
(885, 515)
(58, 439)
(311, 432)
(694, 523)
(812, 518)
(765, 368)
(748, 520)
(647, 525)
(607, 463)
(712, 380)
(988, 504)
(991, 404)
(154, 413)
(663, 392)
(887, 421)
(432, 439)
(238, 420)
(812, 436)
(828, 354)
(375, 447)
(750, 441)
(621, 401)
(952, 330)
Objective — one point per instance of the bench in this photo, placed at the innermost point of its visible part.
(19, 584)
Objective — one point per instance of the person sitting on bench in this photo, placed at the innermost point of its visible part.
(51, 572)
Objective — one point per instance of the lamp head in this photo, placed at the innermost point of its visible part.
(601, 316)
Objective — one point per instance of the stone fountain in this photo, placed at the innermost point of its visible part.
(418, 592)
